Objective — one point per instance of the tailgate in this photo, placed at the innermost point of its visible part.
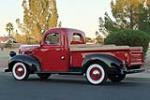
(136, 56)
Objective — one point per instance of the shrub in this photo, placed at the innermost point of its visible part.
(130, 38)
(8, 44)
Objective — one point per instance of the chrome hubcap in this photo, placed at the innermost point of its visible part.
(19, 70)
(95, 74)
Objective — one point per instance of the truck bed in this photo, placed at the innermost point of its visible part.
(132, 55)
(95, 47)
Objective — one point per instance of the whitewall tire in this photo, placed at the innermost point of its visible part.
(96, 74)
(20, 71)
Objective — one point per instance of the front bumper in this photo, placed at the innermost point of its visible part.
(134, 71)
(7, 70)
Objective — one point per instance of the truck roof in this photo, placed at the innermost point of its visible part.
(67, 30)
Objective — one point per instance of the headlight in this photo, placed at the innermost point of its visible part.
(12, 53)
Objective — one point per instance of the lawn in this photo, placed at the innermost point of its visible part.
(5, 53)
(4, 56)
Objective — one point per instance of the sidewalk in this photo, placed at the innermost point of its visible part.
(147, 62)
(139, 75)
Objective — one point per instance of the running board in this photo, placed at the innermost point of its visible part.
(61, 73)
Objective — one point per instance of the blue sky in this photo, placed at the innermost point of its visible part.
(80, 14)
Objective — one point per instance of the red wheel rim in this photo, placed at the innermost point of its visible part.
(19, 70)
(95, 73)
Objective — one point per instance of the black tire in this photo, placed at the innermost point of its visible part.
(96, 74)
(43, 76)
(117, 78)
(20, 71)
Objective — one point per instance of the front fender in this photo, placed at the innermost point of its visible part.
(32, 63)
(112, 63)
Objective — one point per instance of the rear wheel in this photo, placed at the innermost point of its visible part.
(96, 74)
(117, 78)
(43, 76)
(20, 71)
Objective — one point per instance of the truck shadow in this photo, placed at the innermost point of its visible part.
(130, 82)
(78, 80)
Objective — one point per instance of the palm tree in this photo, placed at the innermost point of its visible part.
(9, 28)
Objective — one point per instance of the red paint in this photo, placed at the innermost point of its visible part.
(95, 73)
(60, 58)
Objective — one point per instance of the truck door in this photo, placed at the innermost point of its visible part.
(55, 56)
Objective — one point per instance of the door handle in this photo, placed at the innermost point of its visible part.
(62, 57)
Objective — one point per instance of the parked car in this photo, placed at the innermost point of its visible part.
(64, 51)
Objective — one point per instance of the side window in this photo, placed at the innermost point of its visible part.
(53, 39)
(77, 39)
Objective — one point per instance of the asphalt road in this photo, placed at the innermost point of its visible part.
(72, 88)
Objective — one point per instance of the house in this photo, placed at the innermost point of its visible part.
(5, 39)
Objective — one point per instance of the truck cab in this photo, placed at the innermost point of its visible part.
(64, 51)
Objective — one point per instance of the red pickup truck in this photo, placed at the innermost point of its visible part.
(64, 51)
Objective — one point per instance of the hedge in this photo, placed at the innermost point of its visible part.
(130, 38)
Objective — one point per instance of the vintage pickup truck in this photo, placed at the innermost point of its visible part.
(64, 51)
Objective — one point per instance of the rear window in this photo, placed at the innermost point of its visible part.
(77, 39)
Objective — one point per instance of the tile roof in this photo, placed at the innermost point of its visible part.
(4, 39)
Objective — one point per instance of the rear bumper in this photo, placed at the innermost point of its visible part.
(134, 71)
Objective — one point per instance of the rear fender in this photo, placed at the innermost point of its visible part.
(111, 63)
(32, 63)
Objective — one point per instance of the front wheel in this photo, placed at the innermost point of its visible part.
(20, 71)
(96, 74)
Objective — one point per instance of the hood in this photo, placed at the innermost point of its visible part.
(25, 49)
